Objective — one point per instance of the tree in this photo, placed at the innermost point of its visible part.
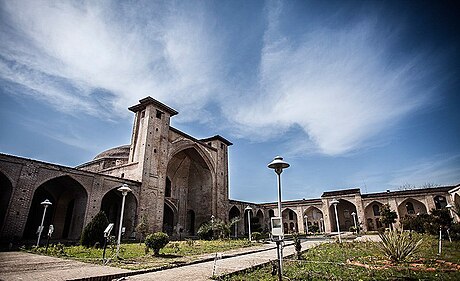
(94, 231)
(388, 217)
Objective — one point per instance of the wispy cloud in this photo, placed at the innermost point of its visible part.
(337, 85)
(441, 169)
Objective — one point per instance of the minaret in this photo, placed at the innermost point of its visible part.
(149, 149)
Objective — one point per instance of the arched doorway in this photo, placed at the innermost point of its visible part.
(67, 213)
(411, 207)
(290, 221)
(189, 184)
(6, 189)
(372, 215)
(234, 214)
(440, 202)
(314, 216)
(168, 220)
(344, 210)
(190, 222)
(260, 220)
(111, 205)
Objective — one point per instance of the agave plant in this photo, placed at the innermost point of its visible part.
(397, 247)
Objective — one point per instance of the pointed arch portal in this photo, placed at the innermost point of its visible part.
(67, 213)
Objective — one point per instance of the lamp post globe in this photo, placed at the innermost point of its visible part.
(335, 202)
(124, 189)
(45, 205)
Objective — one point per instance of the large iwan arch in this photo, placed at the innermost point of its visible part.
(67, 214)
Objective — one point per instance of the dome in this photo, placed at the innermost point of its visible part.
(116, 152)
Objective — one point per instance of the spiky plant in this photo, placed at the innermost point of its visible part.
(397, 247)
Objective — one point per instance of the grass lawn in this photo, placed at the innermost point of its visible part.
(363, 261)
(133, 255)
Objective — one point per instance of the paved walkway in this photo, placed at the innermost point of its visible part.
(203, 271)
(25, 267)
(31, 267)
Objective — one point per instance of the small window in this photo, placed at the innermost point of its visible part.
(159, 113)
(143, 114)
(291, 215)
(222, 146)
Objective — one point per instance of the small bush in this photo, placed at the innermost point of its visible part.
(297, 245)
(94, 231)
(313, 228)
(257, 236)
(397, 247)
(156, 241)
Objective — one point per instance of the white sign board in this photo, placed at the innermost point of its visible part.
(277, 226)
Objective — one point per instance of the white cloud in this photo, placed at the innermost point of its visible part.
(336, 85)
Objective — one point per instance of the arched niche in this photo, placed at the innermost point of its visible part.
(67, 214)
(372, 215)
(411, 207)
(440, 202)
(169, 218)
(111, 205)
(289, 221)
(234, 213)
(191, 182)
(314, 216)
(344, 210)
(6, 189)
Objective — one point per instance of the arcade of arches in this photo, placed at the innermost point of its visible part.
(178, 182)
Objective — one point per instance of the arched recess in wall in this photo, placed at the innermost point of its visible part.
(67, 213)
(314, 216)
(169, 217)
(6, 189)
(372, 215)
(192, 183)
(344, 210)
(261, 221)
(440, 202)
(411, 207)
(190, 222)
(234, 213)
(111, 205)
(289, 221)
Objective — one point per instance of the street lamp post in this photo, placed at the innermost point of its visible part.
(278, 165)
(45, 205)
(335, 202)
(212, 226)
(306, 224)
(249, 209)
(354, 220)
(124, 189)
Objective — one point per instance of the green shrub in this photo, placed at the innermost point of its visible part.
(205, 231)
(94, 231)
(313, 228)
(397, 247)
(156, 241)
(297, 245)
(257, 236)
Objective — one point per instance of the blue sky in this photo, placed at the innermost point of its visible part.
(351, 93)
